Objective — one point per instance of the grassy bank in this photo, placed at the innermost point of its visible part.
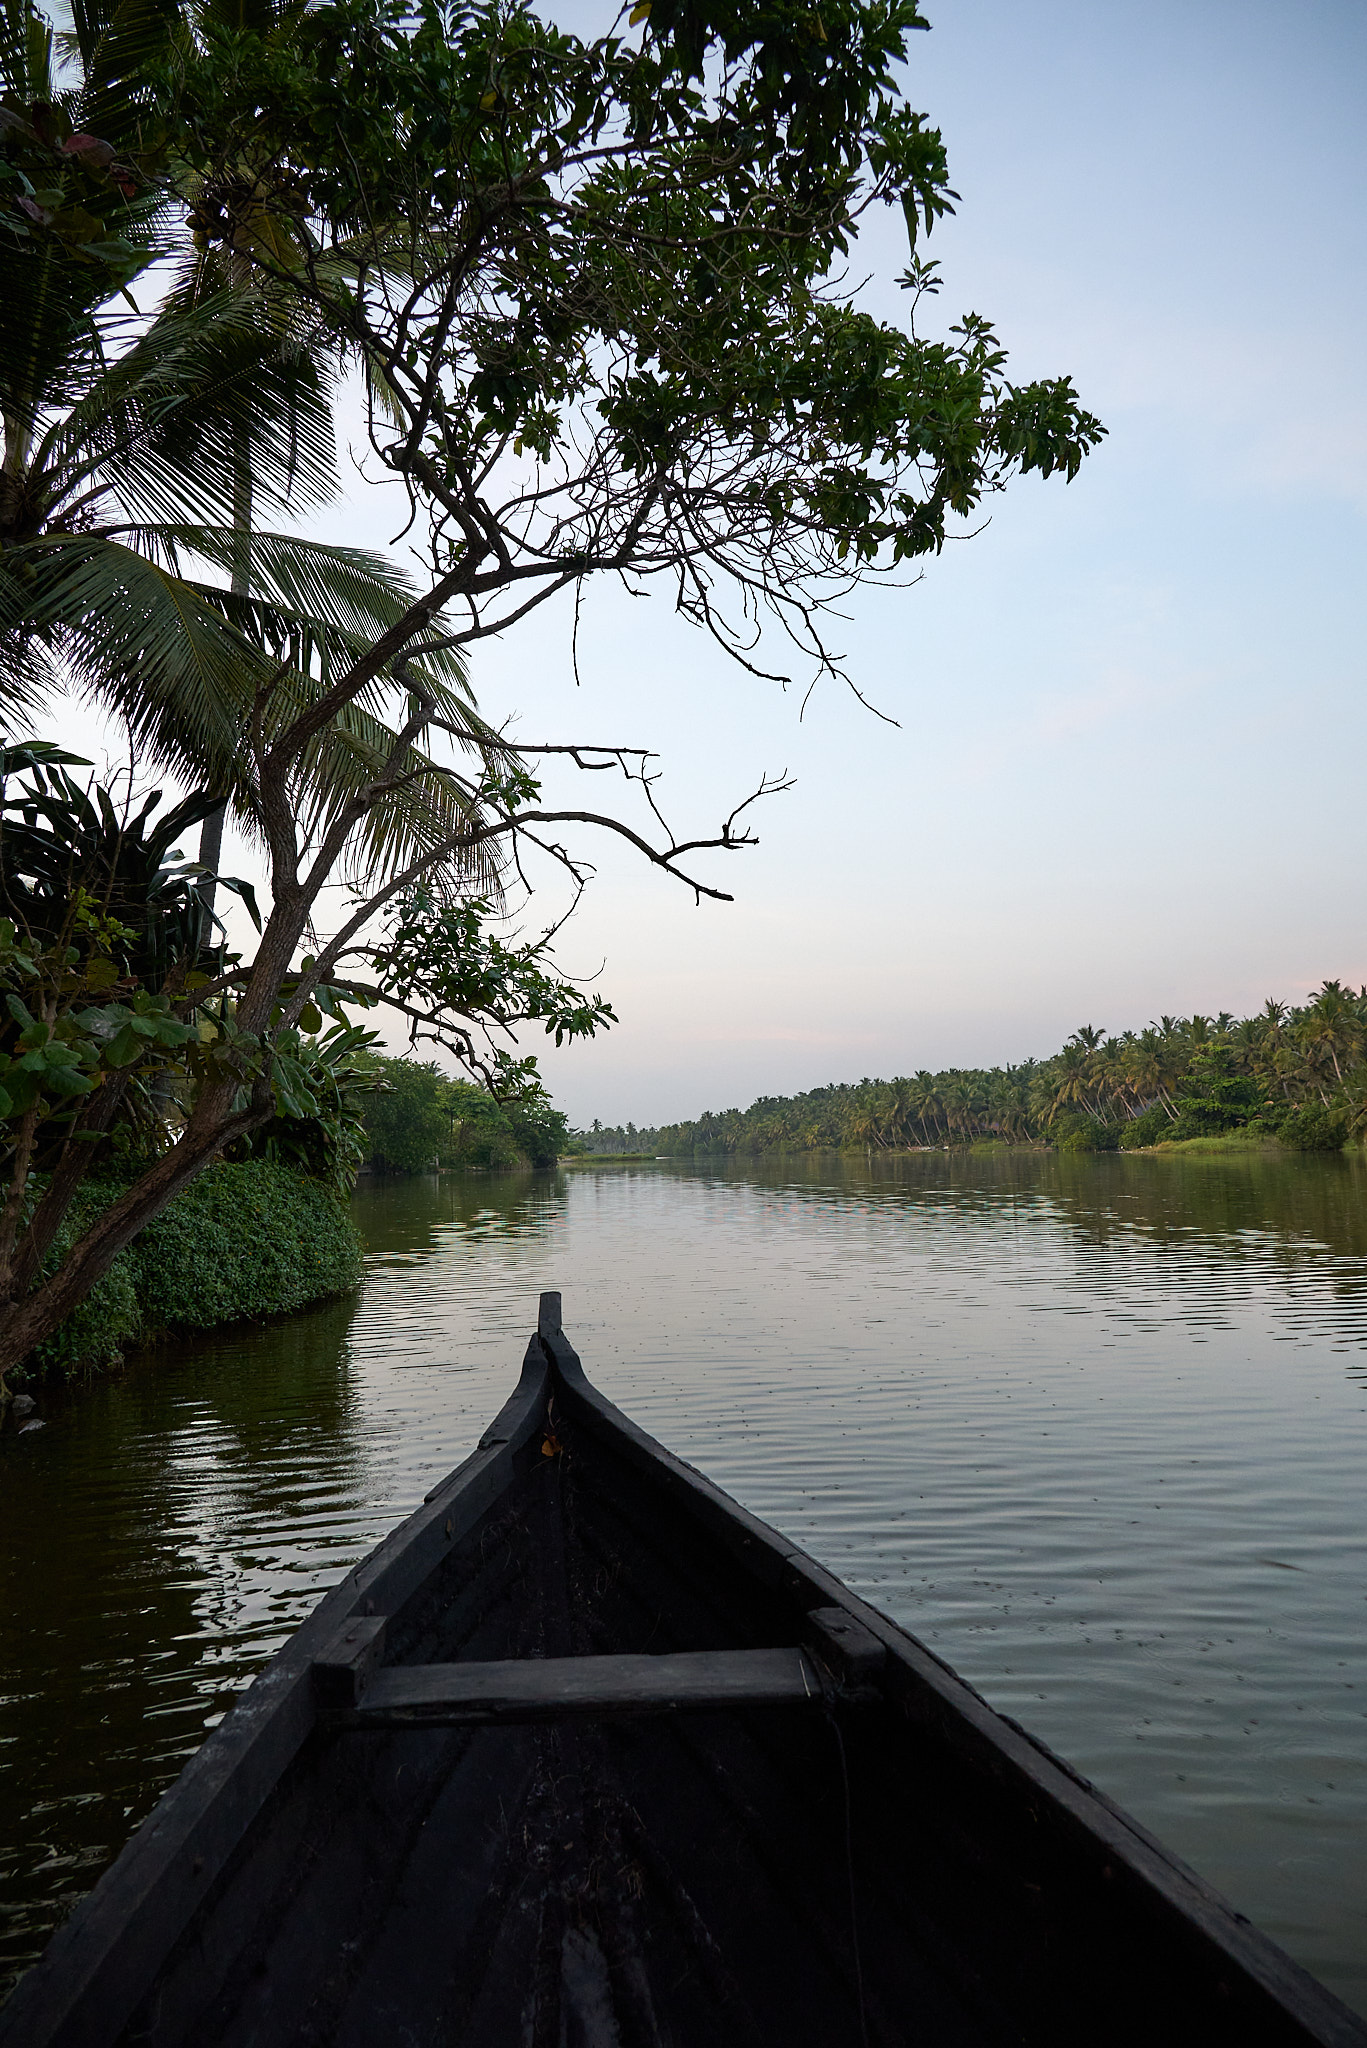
(1229, 1143)
(243, 1242)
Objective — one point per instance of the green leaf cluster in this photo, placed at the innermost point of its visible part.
(113, 977)
(444, 961)
(244, 1242)
(105, 927)
(616, 258)
(322, 1088)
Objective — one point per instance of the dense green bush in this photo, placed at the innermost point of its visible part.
(423, 1118)
(242, 1242)
(1085, 1134)
(1216, 1099)
(408, 1124)
(95, 1334)
(1313, 1128)
(250, 1240)
(489, 1133)
(1150, 1127)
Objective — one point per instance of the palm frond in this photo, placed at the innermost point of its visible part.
(165, 425)
(427, 809)
(51, 347)
(253, 388)
(25, 52)
(79, 223)
(28, 663)
(147, 645)
(117, 44)
(182, 663)
(319, 604)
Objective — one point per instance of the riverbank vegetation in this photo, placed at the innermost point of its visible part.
(270, 1233)
(423, 1118)
(248, 1240)
(1292, 1074)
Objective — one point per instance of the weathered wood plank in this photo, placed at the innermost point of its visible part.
(560, 1688)
(344, 1669)
(844, 1645)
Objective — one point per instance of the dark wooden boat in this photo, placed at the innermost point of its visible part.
(584, 1756)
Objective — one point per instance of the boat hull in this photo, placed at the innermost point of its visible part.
(869, 1856)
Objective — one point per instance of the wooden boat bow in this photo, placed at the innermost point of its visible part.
(584, 1753)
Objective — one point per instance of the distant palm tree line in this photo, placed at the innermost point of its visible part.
(1299, 1073)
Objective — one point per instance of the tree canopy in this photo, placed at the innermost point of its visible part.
(420, 1118)
(597, 289)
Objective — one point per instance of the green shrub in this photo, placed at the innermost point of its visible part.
(489, 1133)
(93, 1335)
(1313, 1128)
(1216, 1099)
(1190, 1123)
(1250, 1138)
(242, 1242)
(408, 1127)
(481, 1131)
(1082, 1133)
(1150, 1127)
(425, 1118)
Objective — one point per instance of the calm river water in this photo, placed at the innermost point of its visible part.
(1095, 1428)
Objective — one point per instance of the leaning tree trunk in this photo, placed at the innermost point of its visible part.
(211, 832)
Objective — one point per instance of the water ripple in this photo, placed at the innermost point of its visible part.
(1095, 1429)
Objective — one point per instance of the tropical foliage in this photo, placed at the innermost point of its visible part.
(120, 1008)
(591, 291)
(424, 1118)
(1296, 1072)
(118, 1000)
(141, 454)
(247, 1240)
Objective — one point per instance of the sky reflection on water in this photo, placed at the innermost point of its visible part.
(1092, 1427)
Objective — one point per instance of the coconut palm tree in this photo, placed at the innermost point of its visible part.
(927, 1106)
(864, 1128)
(1329, 1027)
(901, 1097)
(126, 570)
(1108, 1075)
(1005, 1091)
(1336, 1011)
(1147, 1066)
(959, 1103)
(1072, 1082)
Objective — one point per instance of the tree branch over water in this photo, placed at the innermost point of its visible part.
(592, 290)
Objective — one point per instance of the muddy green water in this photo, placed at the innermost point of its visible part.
(1095, 1428)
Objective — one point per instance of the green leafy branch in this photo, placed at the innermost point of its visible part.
(444, 968)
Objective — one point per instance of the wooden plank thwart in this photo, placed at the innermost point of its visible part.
(556, 1688)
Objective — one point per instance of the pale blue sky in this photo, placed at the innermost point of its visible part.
(1129, 772)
